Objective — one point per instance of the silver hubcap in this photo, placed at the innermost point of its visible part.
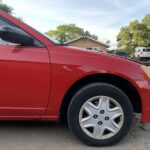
(101, 117)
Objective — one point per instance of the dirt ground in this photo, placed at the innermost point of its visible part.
(54, 136)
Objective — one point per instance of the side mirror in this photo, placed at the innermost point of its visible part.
(15, 35)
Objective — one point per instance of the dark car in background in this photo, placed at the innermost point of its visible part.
(119, 53)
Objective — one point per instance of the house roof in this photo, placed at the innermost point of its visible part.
(76, 39)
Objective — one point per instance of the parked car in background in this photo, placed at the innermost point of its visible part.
(119, 53)
(142, 53)
(95, 93)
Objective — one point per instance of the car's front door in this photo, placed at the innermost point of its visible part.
(24, 79)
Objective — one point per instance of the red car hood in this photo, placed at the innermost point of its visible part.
(96, 53)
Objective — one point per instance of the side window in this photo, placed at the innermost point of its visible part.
(89, 48)
(4, 22)
(139, 50)
(97, 49)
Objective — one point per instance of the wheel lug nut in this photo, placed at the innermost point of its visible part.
(100, 123)
(102, 111)
(95, 116)
(106, 118)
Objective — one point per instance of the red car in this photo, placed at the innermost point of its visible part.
(95, 93)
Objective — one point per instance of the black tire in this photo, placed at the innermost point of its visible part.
(86, 93)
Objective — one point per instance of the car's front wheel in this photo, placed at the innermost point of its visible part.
(100, 114)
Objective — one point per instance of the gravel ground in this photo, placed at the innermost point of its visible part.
(54, 136)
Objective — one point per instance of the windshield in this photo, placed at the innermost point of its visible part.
(50, 38)
(146, 50)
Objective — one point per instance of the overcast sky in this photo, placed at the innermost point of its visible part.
(101, 17)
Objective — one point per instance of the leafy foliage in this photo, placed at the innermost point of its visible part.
(67, 32)
(5, 7)
(137, 34)
(146, 20)
(8, 9)
(88, 34)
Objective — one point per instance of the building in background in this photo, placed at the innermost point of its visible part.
(88, 43)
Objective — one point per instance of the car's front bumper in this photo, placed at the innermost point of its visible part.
(144, 90)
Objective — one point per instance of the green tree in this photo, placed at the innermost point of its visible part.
(8, 9)
(135, 35)
(5, 7)
(146, 20)
(88, 34)
(67, 32)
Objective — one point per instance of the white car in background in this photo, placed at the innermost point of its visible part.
(142, 53)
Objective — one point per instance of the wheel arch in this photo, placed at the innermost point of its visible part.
(126, 86)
